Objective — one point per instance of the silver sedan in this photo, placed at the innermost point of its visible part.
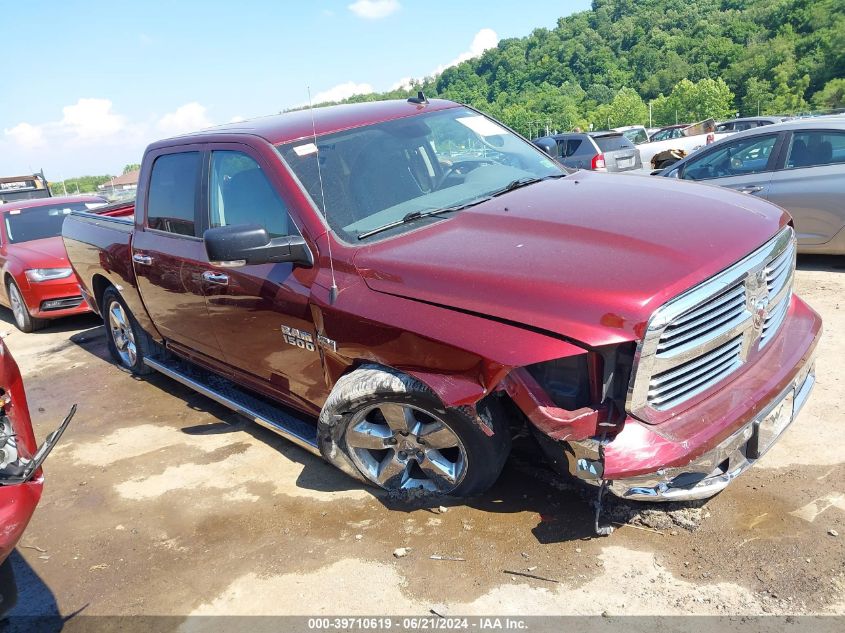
(799, 165)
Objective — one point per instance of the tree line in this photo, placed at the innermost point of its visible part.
(629, 62)
(85, 184)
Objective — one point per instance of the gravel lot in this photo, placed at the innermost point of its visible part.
(158, 501)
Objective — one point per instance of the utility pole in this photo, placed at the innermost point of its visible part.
(649, 114)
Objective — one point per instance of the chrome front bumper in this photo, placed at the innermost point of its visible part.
(712, 472)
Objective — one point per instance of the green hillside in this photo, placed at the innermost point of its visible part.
(688, 59)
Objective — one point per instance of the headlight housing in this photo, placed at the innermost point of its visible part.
(46, 274)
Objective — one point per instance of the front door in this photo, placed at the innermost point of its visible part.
(261, 313)
(743, 164)
(811, 185)
(169, 257)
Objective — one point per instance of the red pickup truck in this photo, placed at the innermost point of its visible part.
(402, 286)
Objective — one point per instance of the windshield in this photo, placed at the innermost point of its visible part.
(378, 174)
(36, 223)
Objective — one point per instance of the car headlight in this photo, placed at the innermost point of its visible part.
(46, 274)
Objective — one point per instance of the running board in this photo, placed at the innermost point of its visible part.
(279, 420)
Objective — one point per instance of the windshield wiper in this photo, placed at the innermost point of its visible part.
(413, 216)
(418, 215)
(523, 182)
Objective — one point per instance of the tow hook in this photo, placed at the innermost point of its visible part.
(601, 530)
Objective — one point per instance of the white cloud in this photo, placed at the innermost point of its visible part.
(237, 119)
(374, 9)
(342, 91)
(187, 118)
(484, 40)
(26, 135)
(91, 119)
(406, 83)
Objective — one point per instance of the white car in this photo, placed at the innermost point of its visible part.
(692, 138)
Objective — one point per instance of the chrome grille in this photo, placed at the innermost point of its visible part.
(703, 336)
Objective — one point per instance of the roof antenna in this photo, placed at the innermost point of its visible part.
(420, 98)
(333, 289)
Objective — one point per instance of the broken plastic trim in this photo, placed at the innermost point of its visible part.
(32, 466)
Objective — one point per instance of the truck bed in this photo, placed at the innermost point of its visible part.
(99, 247)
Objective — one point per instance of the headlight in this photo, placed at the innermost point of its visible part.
(45, 274)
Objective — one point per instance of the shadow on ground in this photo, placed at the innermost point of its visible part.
(823, 263)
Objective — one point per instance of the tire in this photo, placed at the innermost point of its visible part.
(390, 430)
(128, 344)
(24, 321)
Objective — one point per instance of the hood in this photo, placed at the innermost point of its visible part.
(45, 253)
(589, 256)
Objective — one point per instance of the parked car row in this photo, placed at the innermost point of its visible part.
(798, 164)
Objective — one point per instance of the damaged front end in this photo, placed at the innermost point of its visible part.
(17, 464)
(720, 372)
(575, 405)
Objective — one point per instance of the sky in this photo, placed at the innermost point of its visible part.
(89, 84)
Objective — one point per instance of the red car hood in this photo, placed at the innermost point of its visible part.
(589, 256)
(45, 253)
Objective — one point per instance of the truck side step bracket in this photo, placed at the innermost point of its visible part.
(283, 421)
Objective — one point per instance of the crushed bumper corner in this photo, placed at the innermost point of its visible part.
(711, 473)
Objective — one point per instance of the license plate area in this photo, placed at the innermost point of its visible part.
(769, 428)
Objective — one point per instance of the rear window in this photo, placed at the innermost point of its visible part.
(612, 143)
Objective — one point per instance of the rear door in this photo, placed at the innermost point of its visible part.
(744, 164)
(261, 313)
(811, 183)
(168, 253)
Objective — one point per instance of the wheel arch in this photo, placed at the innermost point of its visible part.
(99, 284)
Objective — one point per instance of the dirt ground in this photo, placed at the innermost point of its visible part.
(158, 501)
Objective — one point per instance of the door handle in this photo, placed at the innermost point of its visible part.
(144, 260)
(750, 189)
(221, 279)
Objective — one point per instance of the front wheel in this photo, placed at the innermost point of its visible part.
(24, 321)
(127, 342)
(390, 430)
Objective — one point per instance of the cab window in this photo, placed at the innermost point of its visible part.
(740, 158)
(173, 189)
(240, 193)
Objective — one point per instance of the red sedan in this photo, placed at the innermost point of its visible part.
(37, 281)
(21, 477)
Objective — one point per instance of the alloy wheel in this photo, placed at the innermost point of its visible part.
(18, 306)
(122, 335)
(402, 447)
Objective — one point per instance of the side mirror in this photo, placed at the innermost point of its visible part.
(243, 244)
